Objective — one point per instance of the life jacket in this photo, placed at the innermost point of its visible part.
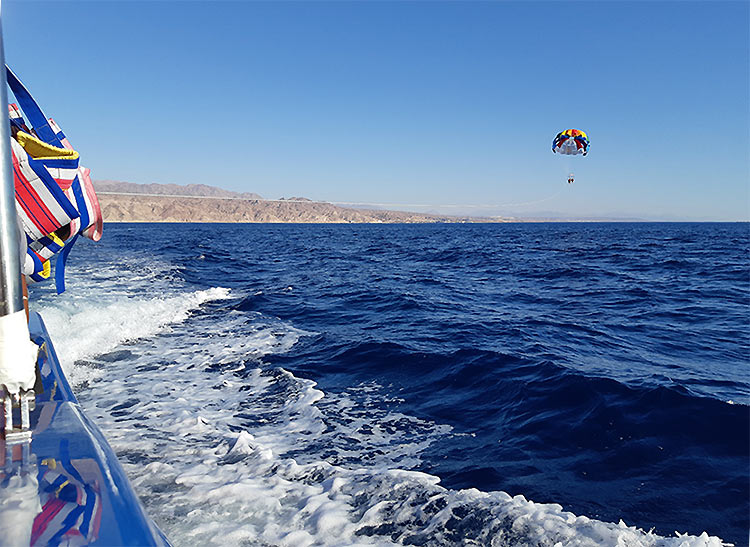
(55, 198)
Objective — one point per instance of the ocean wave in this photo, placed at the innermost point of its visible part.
(388, 384)
(224, 449)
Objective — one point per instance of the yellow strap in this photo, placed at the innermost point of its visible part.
(54, 237)
(46, 270)
(40, 150)
(59, 488)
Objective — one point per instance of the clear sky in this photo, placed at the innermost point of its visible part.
(448, 103)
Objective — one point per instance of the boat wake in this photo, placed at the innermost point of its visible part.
(225, 449)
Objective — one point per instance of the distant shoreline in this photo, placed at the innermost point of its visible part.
(124, 202)
(133, 207)
(514, 221)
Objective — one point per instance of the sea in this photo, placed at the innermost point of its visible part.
(421, 384)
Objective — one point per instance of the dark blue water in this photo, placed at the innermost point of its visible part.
(600, 366)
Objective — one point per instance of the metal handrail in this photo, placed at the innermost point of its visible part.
(11, 291)
(11, 288)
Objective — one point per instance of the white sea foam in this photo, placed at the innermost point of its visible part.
(99, 326)
(225, 450)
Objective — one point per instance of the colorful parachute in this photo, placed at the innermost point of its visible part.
(571, 142)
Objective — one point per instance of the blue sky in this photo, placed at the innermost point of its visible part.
(447, 104)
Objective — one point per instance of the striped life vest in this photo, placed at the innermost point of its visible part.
(55, 198)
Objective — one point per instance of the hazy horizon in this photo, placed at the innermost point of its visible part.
(484, 211)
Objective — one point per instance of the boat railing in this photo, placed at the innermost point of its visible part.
(17, 353)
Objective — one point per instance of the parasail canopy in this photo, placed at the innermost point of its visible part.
(571, 142)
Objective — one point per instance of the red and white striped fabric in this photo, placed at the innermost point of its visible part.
(52, 189)
(14, 113)
(96, 224)
(40, 200)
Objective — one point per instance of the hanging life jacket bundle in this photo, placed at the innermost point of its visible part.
(55, 198)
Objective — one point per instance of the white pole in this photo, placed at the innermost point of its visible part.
(17, 352)
(11, 293)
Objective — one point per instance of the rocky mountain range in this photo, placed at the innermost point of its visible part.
(130, 202)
